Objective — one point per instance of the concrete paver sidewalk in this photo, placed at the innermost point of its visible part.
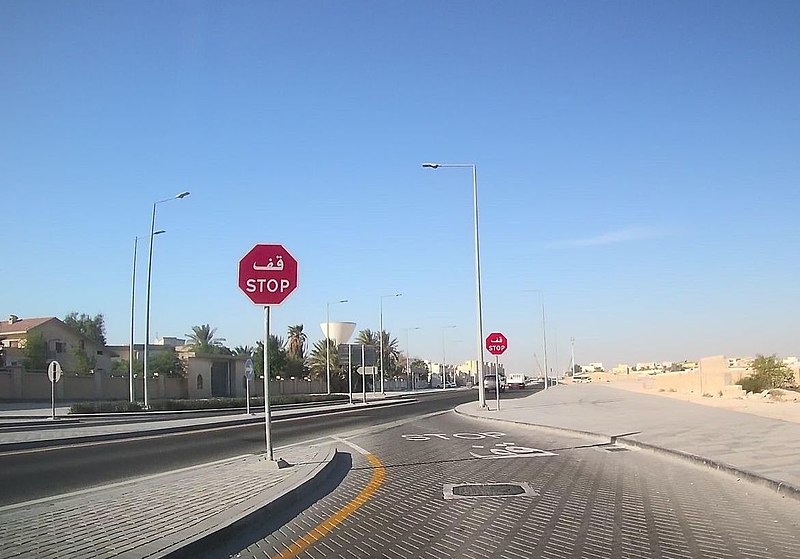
(157, 515)
(762, 449)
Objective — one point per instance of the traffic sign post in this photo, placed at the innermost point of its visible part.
(54, 374)
(497, 344)
(267, 275)
(248, 373)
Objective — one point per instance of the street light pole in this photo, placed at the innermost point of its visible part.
(380, 334)
(544, 331)
(131, 350)
(327, 340)
(572, 357)
(408, 356)
(149, 276)
(479, 317)
(444, 359)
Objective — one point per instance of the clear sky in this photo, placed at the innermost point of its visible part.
(637, 161)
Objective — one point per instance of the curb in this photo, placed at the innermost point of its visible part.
(782, 488)
(297, 488)
(28, 445)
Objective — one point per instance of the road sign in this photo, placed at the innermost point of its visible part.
(268, 274)
(54, 371)
(370, 354)
(496, 343)
(248, 369)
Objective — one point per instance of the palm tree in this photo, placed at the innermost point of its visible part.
(203, 340)
(241, 350)
(368, 337)
(318, 355)
(296, 342)
(391, 352)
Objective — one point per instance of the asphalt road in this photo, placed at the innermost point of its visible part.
(578, 499)
(34, 474)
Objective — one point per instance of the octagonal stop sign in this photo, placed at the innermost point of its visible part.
(496, 343)
(268, 274)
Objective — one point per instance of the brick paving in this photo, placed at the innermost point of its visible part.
(146, 517)
(763, 447)
(588, 502)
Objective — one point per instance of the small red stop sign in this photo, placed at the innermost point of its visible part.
(496, 343)
(268, 274)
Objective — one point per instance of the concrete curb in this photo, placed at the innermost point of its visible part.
(780, 487)
(28, 445)
(308, 478)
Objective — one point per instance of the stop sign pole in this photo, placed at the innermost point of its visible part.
(267, 275)
(497, 344)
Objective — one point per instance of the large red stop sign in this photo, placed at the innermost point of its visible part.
(268, 274)
(496, 343)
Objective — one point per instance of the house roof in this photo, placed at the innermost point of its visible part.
(22, 326)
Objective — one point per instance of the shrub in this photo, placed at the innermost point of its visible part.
(105, 407)
(768, 372)
(206, 404)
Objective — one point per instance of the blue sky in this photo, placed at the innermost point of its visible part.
(637, 161)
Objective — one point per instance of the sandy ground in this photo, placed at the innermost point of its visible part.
(787, 411)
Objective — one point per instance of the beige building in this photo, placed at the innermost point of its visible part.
(62, 343)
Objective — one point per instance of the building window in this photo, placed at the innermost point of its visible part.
(199, 382)
(99, 352)
(61, 347)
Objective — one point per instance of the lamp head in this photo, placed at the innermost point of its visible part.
(430, 165)
(182, 195)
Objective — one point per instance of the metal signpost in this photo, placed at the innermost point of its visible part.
(54, 374)
(497, 344)
(267, 275)
(249, 375)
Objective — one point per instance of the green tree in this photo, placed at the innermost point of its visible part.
(768, 372)
(166, 363)
(419, 365)
(82, 364)
(277, 357)
(203, 340)
(35, 352)
(368, 337)
(317, 358)
(244, 350)
(93, 328)
(391, 353)
(296, 342)
(121, 367)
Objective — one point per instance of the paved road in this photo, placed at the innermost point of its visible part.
(32, 474)
(589, 500)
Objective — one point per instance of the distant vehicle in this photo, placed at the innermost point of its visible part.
(490, 383)
(577, 378)
(516, 380)
(451, 384)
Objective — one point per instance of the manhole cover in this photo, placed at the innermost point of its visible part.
(478, 490)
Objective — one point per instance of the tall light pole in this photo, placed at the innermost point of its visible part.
(479, 317)
(131, 352)
(380, 333)
(572, 357)
(444, 359)
(149, 276)
(408, 356)
(328, 338)
(544, 332)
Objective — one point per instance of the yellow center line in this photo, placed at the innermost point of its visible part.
(326, 526)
